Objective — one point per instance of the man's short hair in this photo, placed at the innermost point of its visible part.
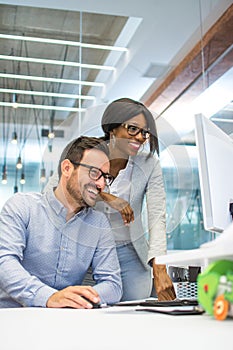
(75, 149)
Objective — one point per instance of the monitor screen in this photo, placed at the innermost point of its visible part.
(215, 163)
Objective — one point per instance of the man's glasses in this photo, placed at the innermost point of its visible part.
(134, 130)
(96, 173)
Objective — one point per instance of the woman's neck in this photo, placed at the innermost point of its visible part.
(118, 160)
(117, 164)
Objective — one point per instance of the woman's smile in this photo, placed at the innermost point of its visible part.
(134, 145)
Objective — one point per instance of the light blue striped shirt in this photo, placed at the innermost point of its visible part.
(41, 252)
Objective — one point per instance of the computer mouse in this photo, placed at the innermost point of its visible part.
(94, 305)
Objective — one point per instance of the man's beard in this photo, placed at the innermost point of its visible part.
(79, 197)
(75, 194)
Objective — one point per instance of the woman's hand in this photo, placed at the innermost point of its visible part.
(120, 205)
(163, 283)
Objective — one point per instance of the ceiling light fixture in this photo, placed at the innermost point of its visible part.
(44, 93)
(4, 175)
(63, 42)
(55, 62)
(14, 139)
(19, 164)
(42, 175)
(35, 106)
(223, 120)
(22, 179)
(4, 179)
(51, 80)
(51, 135)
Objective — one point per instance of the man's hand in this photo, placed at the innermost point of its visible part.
(120, 205)
(72, 297)
(163, 283)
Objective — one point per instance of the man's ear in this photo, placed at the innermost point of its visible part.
(66, 168)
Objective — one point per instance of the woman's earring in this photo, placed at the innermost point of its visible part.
(113, 141)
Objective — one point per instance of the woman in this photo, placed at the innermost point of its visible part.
(137, 195)
(129, 127)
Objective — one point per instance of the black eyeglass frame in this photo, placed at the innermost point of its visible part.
(145, 133)
(107, 177)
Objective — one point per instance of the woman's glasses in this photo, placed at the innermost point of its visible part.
(134, 130)
(96, 173)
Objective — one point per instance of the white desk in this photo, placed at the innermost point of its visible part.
(116, 328)
(197, 257)
(220, 248)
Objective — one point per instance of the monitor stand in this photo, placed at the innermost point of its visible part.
(225, 239)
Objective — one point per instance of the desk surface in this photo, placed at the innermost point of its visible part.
(114, 328)
(198, 257)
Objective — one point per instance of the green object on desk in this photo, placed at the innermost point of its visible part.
(215, 289)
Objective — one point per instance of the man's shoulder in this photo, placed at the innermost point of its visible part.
(26, 198)
(19, 196)
(21, 203)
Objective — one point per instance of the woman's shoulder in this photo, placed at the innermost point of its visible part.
(143, 158)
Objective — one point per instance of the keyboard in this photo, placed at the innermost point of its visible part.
(175, 302)
(155, 302)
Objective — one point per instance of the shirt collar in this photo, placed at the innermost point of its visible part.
(59, 208)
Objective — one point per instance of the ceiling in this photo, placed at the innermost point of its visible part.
(158, 36)
(60, 25)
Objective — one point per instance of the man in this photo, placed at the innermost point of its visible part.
(48, 241)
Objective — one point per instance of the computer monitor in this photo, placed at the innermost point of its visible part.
(215, 163)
